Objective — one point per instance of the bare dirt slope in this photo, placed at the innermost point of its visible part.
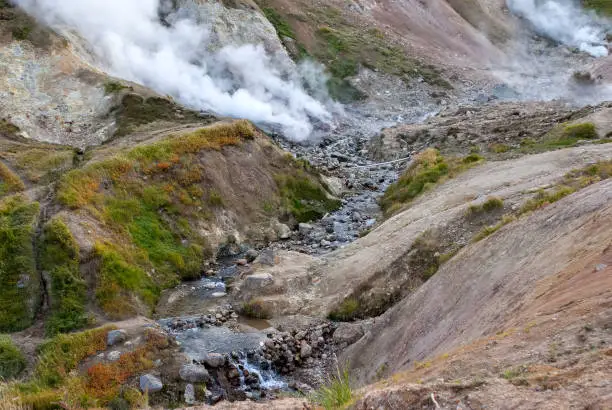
(376, 260)
(535, 267)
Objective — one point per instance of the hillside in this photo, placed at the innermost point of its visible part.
(295, 204)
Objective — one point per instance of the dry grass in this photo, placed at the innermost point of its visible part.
(9, 182)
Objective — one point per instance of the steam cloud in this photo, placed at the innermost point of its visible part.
(130, 42)
(563, 21)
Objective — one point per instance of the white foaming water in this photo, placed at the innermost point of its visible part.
(564, 21)
(130, 42)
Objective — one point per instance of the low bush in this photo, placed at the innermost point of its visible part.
(489, 205)
(255, 309)
(347, 310)
(584, 131)
(12, 361)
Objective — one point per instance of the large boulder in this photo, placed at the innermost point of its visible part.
(214, 360)
(347, 333)
(194, 373)
(150, 383)
(116, 336)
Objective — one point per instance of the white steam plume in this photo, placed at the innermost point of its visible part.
(130, 42)
(564, 21)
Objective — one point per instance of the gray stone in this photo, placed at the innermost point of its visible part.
(266, 257)
(305, 350)
(305, 229)
(190, 394)
(150, 383)
(348, 333)
(258, 281)
(113, 356)
(116, 336)
(214, 360)
(283, 231)
(251, 255)
(194, 373)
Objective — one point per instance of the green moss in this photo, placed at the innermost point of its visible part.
(119, 278)
(500, 148)
(12, 361)
(304, 197)
(19, 281)
(59, 256)
(427, 169)
(113, 87)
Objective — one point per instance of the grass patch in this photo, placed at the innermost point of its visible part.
(427, 169)
(59, 256)
(9, 182)
(146, 198)
(336, 393)
(255, 309)
(12, 361)
(572, 182)
(347, 310)
(43, 165)
(283, 28)
(491, 204)
(19, 281)
(500, 148)
(561, 136)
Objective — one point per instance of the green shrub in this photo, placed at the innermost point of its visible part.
(347, 310)
(59, 256)
(336, 393)
(491, 204)
(283, 29)
(584, 131)
(255, 309)
(12, 361)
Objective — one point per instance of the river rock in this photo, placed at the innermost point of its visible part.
(194, 373)
(214, 360)
(347, 333)
(251, 255)
(257, 281)
(113, 356)
(150, 383)
(190, 394)
(305, 229)
(305, 350)
(283, 231)
(116, 336)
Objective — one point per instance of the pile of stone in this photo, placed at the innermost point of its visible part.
(285, 351)
(220, 316)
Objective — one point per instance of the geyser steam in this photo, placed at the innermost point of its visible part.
(131, 42)
(565, 22)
